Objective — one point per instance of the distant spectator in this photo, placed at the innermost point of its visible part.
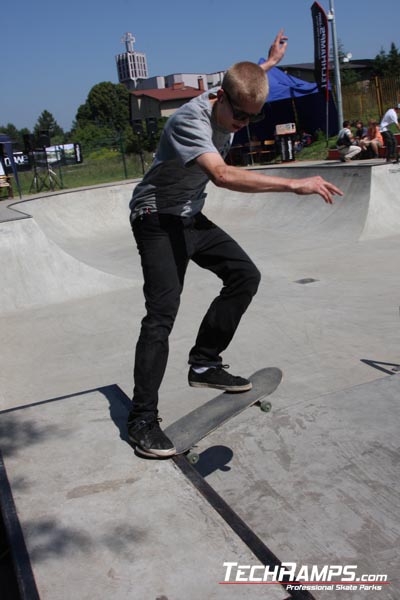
(360, 132)
(390, 118)
(373, 141)
(346, 143)
(303, 139)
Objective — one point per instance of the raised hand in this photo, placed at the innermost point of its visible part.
(276, 51)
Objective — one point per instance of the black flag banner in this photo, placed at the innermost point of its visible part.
(321, 45)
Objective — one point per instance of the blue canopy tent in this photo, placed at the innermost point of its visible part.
(292, 100)
(6, 143)
(284, 86)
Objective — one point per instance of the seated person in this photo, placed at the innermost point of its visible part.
(360, 132)
(346, 143)
(302, 140)
(306, 138)
(373, 141)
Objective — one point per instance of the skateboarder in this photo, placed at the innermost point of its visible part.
(170, 229)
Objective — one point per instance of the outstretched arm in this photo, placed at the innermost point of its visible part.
(276, 52)
(240, 180)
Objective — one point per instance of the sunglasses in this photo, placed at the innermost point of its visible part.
(241, 115)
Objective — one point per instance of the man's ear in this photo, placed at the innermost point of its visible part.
(220, 93)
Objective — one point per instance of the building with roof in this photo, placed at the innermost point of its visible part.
(160, 96)
(162, 102)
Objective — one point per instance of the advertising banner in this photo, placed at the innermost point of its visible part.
(321, 45)
(21, 161)
(65, 154)
(62, 154)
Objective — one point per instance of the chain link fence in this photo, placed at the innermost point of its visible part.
(57, 167)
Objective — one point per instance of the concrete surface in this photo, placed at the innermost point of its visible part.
(99, 523)
(315, 479)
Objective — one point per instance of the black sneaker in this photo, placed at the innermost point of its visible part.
(149, 438)
(220, 379)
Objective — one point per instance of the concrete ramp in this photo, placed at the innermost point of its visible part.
(36, 271)
(286, 216)
(383, 219)
(92, 225)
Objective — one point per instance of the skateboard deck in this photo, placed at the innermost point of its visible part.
(193, 427)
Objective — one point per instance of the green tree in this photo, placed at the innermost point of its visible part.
(104, 120)
(90, 136)
(394, 60)
(83, 116)
(387, 64)
(11, 131)
(16, 135)
(46, 122)
(107, 105)
(379, 63)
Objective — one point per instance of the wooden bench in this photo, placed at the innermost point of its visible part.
(5, 184)
(251, 153)
(267, 151)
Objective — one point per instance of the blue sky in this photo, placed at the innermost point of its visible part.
(54, 52)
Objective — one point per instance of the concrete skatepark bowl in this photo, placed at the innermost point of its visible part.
(316, 480)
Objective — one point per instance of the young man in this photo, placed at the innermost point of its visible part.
(389, 118)
(346, 143)
(170, 230)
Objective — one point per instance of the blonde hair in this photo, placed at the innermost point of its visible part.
(246, 81)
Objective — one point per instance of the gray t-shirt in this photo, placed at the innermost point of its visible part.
(175, 184)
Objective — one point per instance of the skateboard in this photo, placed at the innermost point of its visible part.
(196, 425)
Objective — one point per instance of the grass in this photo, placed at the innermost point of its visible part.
(92, 171)
(318, 150)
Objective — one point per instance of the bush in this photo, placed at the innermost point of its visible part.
(102, 154)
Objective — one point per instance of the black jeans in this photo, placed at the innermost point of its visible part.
(391, 145)
(166, 243)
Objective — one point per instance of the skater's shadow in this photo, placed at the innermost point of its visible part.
(214, 459)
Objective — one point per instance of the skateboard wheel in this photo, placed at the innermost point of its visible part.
(193, 457)
(265, 406)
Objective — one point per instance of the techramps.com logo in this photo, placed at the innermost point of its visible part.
(296, 577)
